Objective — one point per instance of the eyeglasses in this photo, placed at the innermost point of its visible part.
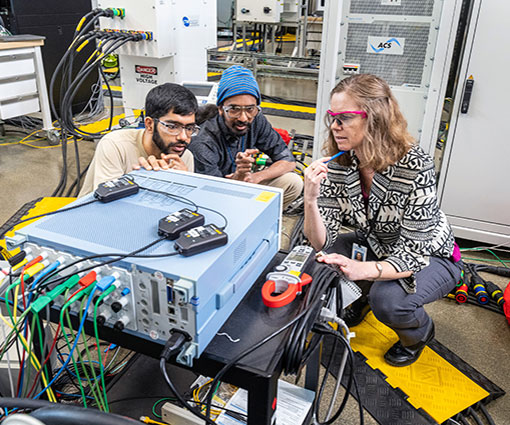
(175, 128)
(344, 118)
(235, 111)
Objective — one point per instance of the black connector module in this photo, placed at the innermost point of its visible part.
(174, 224)
(116, 189)
(200, 239)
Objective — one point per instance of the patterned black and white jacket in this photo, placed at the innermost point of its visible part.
(403, 223)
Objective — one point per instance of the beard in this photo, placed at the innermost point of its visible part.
(237, 132)
(166, 148)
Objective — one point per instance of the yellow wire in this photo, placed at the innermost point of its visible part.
(16, 292)
(33, 359)
(196, 397)
(147, 420)
(36, 268)
(22, 140)
(70, 140)
(21, 264)
(82, 45)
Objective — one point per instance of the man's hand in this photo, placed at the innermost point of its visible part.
(166, 162)
(174, 161)
(244, 161)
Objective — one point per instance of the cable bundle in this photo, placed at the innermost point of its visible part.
(474, 289)
(71, 80)
(28, 290)
(298, 349)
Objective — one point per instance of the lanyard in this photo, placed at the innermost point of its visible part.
(371, 221)
(232, 159)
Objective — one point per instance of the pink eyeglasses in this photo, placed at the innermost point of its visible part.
(343, 118)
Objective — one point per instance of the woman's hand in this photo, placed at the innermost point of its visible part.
(352, 269)
(314, 174)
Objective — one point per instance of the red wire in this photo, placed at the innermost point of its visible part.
(106, 356)
(22, 363)
(45, 361)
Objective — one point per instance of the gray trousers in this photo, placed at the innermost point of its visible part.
(403, 312)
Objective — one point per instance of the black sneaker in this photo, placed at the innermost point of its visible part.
(399, 356)
(357, 311)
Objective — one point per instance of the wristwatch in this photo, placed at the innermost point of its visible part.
(379, 268)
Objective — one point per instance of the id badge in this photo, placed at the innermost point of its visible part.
(359, 252)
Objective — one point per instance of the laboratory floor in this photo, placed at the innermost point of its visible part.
(480, 337)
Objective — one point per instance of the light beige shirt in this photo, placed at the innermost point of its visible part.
(115, 155)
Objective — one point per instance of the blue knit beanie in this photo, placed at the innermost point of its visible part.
(237, 80)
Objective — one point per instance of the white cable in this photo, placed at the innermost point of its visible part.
(21, 419)
(229, 337)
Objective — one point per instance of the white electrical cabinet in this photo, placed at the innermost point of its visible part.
(404, 42)
(266, 11)
(475, 174)
(181, 31)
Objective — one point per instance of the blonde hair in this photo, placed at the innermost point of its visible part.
(386, 139)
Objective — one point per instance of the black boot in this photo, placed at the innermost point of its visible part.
(356, 312)
(399, 356)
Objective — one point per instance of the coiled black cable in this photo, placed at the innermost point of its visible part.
(297, 350)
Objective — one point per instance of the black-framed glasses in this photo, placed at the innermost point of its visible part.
(235, 111)
(175, 128)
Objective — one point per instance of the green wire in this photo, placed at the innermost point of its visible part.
(96, 334)
(62, 325)
(98, 399)
(92, 383)
(45, 370)
(9, 311)
(157, 402)
(488, 260)
(29, 350)
(11, 334)
(481, 259)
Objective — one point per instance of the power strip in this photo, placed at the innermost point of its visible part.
(176, 415)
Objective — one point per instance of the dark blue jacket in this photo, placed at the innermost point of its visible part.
(215, 147)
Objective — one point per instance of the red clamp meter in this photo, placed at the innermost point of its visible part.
(287, 279)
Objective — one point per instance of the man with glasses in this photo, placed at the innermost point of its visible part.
(169, 124)
(227, 143)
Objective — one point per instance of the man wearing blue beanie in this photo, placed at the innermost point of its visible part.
(227, 142)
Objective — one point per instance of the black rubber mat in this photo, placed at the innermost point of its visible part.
(388, 405)
(17, 216)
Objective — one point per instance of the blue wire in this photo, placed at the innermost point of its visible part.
(85, 361)
(72, 395)
(74, 345)
(6, 301)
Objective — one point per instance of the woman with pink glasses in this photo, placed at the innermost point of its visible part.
(402, 254)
